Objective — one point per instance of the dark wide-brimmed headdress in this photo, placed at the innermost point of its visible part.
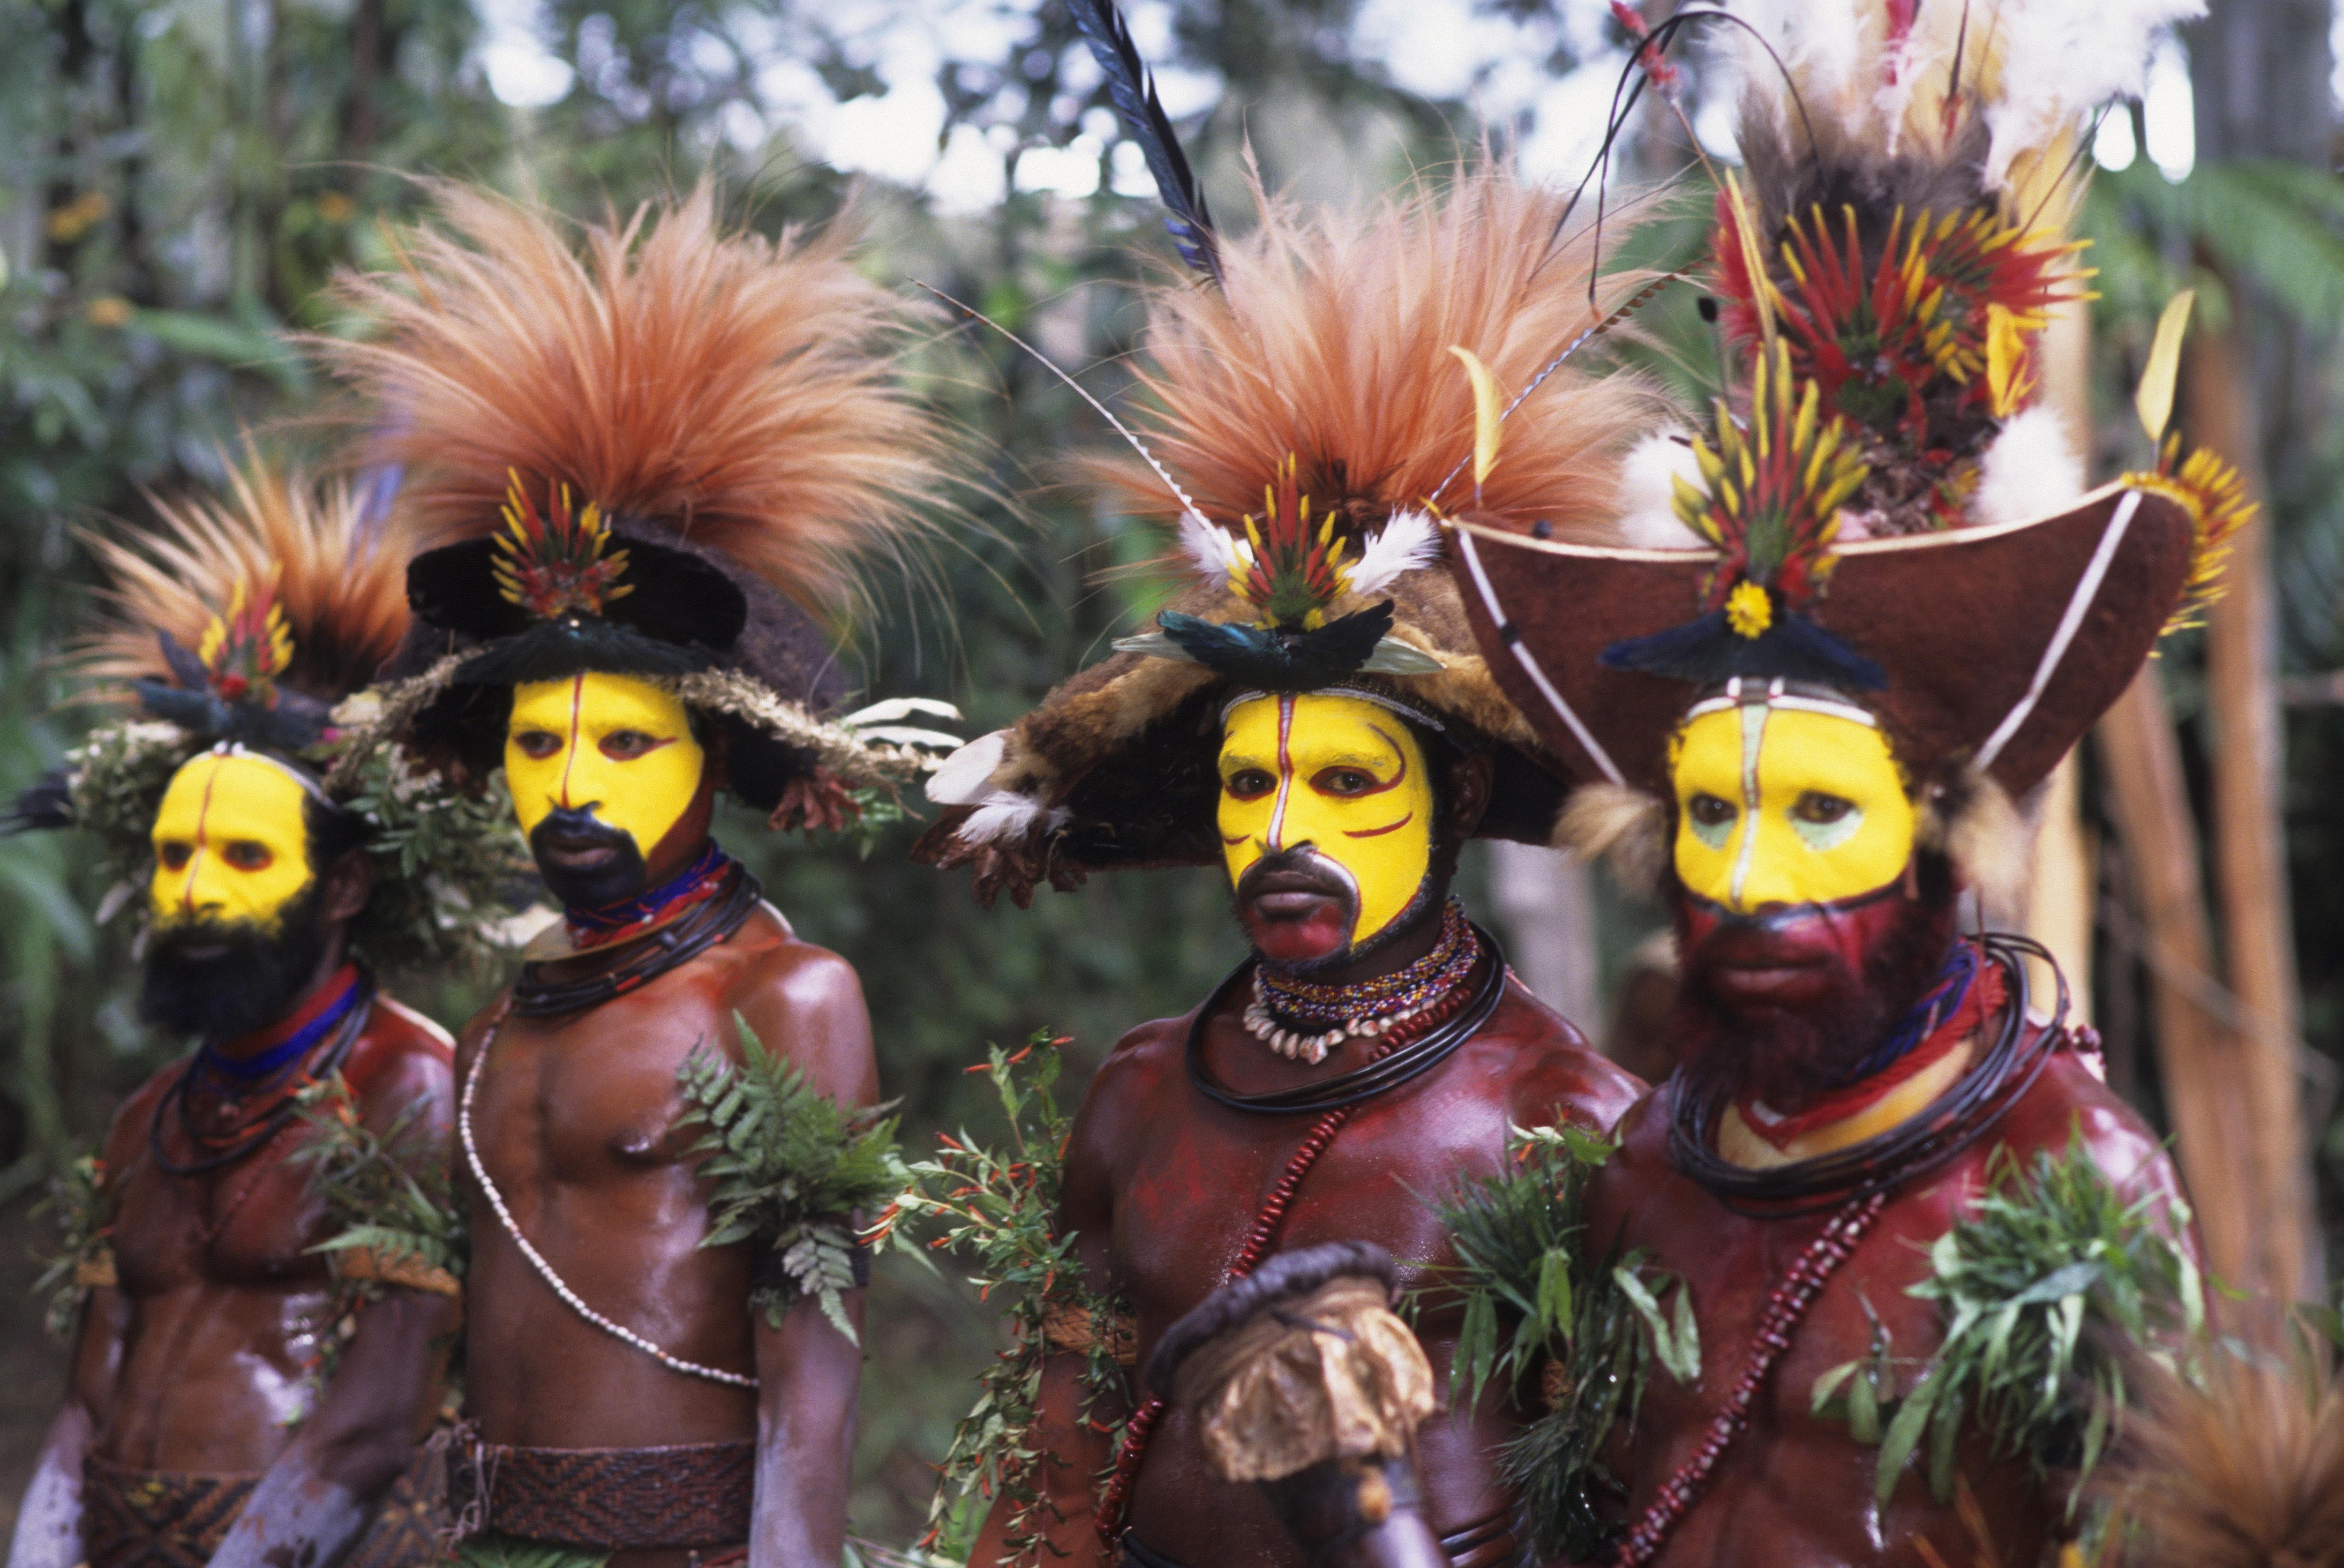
(1313, 421)
(664, 458)
(243, 621)
(1880, 507)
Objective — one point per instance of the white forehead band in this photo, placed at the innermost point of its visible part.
(1381, 699)
(1776, 696)
(310, 786)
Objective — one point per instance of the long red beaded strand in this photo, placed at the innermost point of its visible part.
(1142, 1426)
(1786, 1308)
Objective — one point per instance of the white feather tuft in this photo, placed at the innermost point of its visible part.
(961, 778)
(1003, 816)
(1410, 542)
(1648, 512)
(1215, 552)
(2031, 469)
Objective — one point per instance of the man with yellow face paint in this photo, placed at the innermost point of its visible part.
(1822, 765)
(1309, 719)
(614, 618)
(198, 1428)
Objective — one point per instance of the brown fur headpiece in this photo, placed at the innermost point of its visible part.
(1322, 373)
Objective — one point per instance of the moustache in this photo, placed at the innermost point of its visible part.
(1300, 869)
(586, 862)
(219, 979)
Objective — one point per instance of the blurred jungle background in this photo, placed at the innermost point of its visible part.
(179, 178)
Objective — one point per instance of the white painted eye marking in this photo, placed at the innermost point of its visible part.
(1753, 734)
(1819, 836)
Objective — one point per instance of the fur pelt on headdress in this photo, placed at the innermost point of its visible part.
(340, 577)
(714, 386)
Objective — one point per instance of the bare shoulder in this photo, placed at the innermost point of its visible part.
(126, 1135)
(1643, 1158)
(1554, 1075)
(2068, 1105)
(803, 1002)
(403, 1065)
(1137, 1064)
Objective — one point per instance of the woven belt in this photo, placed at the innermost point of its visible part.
(691, 1495)
(178, 1518)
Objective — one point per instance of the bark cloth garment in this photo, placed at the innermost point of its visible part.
(177, 1519)
(695, 1495)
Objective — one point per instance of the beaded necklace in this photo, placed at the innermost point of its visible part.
(1283, 1008)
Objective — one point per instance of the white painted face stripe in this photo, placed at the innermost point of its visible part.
(569, 756)
(1754, 735)
(1275, 841)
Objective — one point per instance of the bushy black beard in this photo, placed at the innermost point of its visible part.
(248, 986)
(1786, 1059)
(623, 876)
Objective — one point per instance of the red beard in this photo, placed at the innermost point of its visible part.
(1784, 1005)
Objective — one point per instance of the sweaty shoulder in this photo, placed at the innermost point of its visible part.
(803, 1002)
(401, 1061)
(2068, 1101)
(1556, 1075)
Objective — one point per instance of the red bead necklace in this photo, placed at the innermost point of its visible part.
(1786, 1307)
(1266, 1227)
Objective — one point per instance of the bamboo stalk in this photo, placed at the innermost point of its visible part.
(2249, 833)
(2197, 1058)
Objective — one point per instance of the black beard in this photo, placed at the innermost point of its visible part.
(623, 876)
(1787, 1061)
(247, 987)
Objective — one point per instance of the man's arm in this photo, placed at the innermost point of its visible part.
(808, 1372)
(321, 1495)
(48, 1521)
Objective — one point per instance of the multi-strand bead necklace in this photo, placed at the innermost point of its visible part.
(1303, 1021)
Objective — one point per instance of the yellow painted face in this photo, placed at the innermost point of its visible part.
(231, 844)
(611, 745)
(1339, 773)
(1779, 805)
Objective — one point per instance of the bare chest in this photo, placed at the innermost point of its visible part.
(1199, 1182)
(249, 1223)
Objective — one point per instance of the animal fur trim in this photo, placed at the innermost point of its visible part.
(341, 582)
(1627, 826)
(1983, 833)
(717, 385)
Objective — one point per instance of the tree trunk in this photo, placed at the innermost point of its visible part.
(2260, 72)
(2197, 1058)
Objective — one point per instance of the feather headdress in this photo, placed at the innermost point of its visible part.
(717, 387)
(1910, 171)
(262, 606)
(1309, 426)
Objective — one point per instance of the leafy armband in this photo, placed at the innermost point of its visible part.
(788, 1169)
(1591, 1329)
(998, 1208)
(389, 1206)
(2046, 1290)
(83, 1261)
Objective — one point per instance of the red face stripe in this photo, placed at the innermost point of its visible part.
(1380, 832)
(196, 856)
(570, 757)
(1285, 775)
(1397, 779)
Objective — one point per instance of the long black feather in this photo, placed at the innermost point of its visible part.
(1280, 660)
(46, 804)
(1133, 91)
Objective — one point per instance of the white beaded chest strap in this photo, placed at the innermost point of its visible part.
(537, 1260)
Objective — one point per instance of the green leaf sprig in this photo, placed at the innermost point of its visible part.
(787, 1165)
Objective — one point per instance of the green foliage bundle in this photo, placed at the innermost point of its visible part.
(388, 1192)
(444, 859)
(998, 1209)
(1591, 1328)
(788, 1168)
(77, 1199)
(2046, 1290)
